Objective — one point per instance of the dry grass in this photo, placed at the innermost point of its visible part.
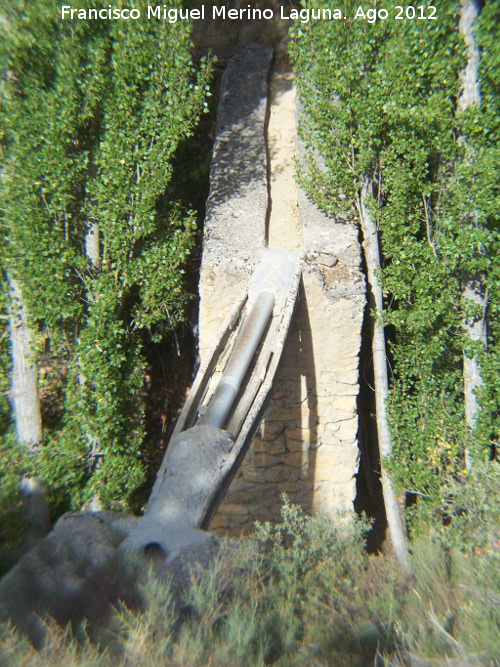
(303, 592)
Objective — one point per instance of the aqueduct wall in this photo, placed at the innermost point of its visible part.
(308, 445)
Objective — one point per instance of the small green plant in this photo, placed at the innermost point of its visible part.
(299, 592)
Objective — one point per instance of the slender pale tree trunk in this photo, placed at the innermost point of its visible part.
(470, 92)
(93, 253)
(24, 384)
(24, 391)
(473, 291)
(93, 245)
(26, 406)
(372, 258)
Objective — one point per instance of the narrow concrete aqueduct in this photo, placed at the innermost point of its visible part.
(307, 446)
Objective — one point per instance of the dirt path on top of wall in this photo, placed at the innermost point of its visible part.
(284, 230)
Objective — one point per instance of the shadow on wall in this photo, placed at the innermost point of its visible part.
(284, 456)
(224, 37)
(369, 496)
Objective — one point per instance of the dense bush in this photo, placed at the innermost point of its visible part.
(380, 102)
(93, 112)
(303, 592)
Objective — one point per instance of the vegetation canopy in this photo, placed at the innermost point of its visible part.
(381, 106)
(93, 112)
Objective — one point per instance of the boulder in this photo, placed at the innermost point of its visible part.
(79, 571)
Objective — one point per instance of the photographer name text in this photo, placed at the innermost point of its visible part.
(174, 14)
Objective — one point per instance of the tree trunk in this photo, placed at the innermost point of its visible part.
(470, 92)
(381, 380)
(472, 285)
(24, 384)
(93, 245)
(93, 253)
(24, 395)
(26, 407)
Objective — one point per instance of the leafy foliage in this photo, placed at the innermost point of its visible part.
(380, 100)
(93, 114)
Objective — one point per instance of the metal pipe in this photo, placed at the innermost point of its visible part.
(248, 339)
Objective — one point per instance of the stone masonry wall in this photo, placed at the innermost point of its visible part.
(307, 446)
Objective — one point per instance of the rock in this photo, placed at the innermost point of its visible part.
(83, 567)
(73, 573)
(328, 260)
(180, 571)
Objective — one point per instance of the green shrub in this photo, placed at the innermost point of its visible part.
(380, 102)
(302, 592)
(93, 113)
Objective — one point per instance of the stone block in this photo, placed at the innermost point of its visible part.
(301, 432)
(330, 434)
(270, 445)
(220, 521)
(298, 445)
(296, 459)
(329, 457)
(270, 427)
(232, 509)
(332, 497)
(345, 403)
(348, 429)
(336, 432)
(283, 415)
(262, 460)
(253, 475)
(242, 497)
(348, 376)
(277, 474)
(341, 472)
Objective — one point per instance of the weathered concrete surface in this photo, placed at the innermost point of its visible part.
(184, 492)
(81, 569)
(197, 462)
(284, 228)
(235, 223)
(185, 488)
(308, 442)
(71, 574)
